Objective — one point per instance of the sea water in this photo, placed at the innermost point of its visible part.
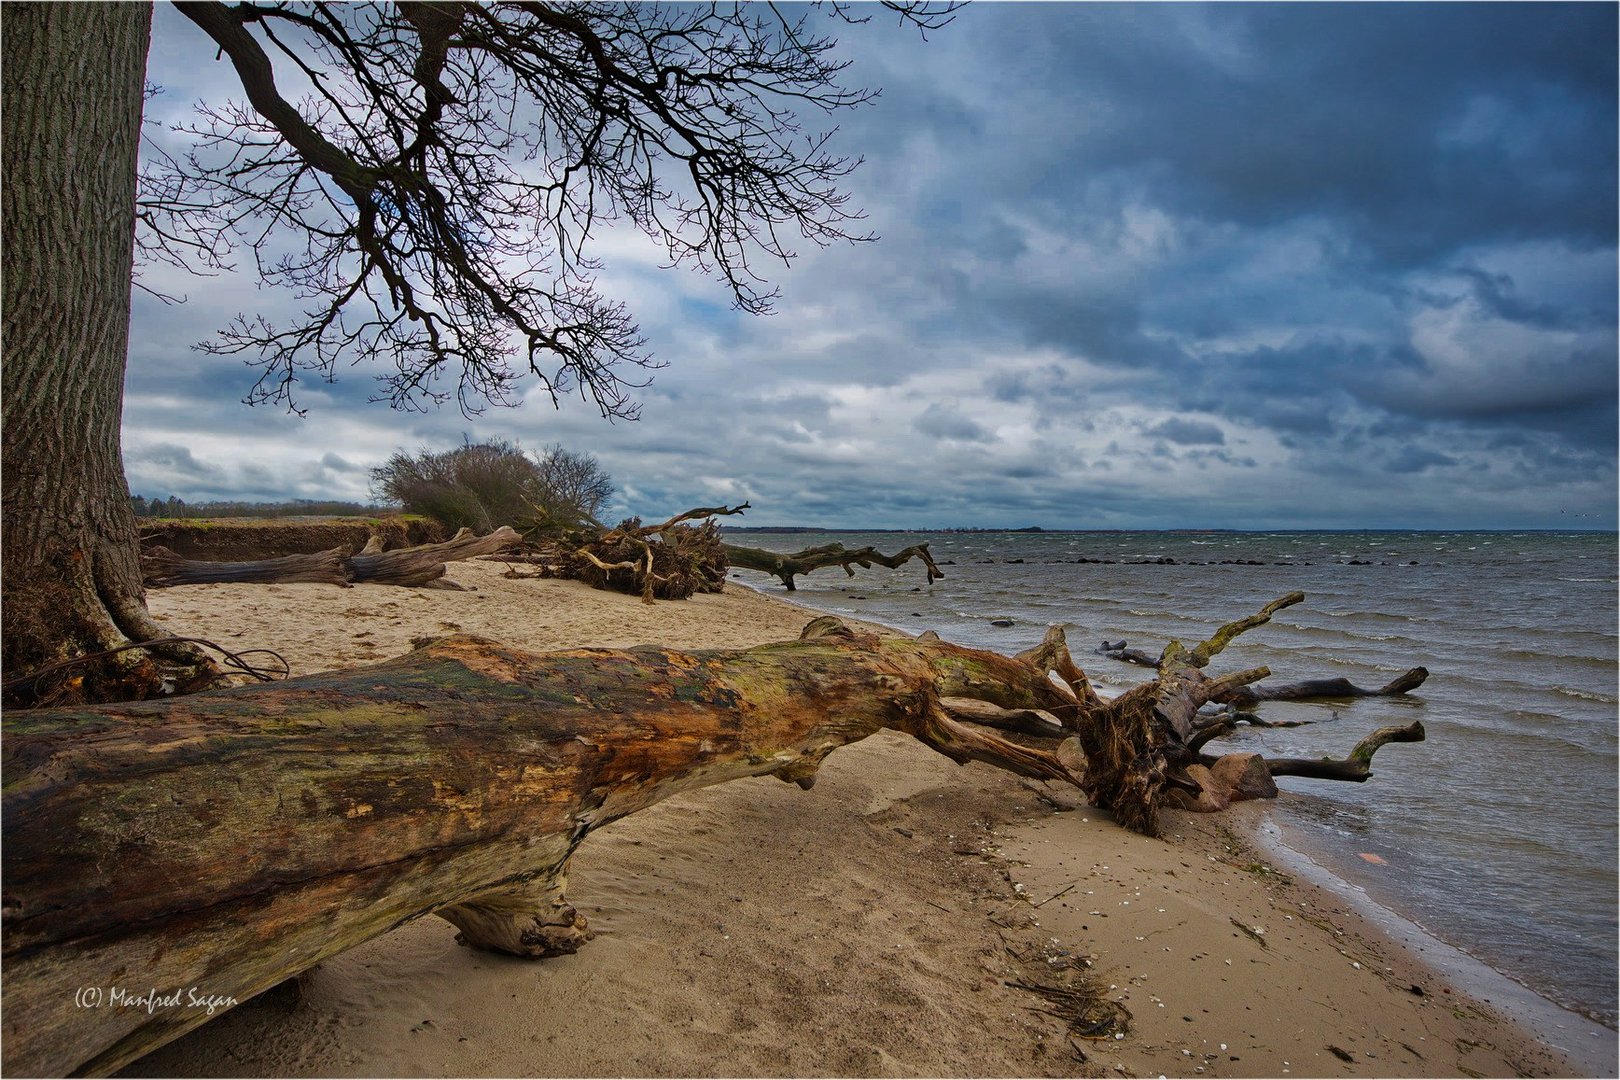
(1498, 834)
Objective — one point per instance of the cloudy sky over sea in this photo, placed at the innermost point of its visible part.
(1158, 265)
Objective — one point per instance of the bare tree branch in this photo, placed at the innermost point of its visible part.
(433, 193)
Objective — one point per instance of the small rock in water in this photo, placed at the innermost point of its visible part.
(1001, 622)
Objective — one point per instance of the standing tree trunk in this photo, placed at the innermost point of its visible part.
(73, 80)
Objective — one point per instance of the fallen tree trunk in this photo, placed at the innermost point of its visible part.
(221, 843)
(422, 566)
(214, 845)
(787, 567)
(161, 568)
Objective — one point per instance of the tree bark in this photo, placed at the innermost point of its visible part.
(220, 843)
(73, 81)
(787, 567)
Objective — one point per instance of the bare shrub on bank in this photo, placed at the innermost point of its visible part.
(483, 486)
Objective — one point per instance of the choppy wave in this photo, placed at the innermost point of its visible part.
(1585, 695)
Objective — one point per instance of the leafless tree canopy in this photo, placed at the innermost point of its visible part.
(427, 178)
(572, 484)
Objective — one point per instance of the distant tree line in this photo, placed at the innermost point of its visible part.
(174, 507)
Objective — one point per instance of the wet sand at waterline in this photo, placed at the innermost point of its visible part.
(898, 919)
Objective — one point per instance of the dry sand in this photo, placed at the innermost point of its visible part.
(880, 924)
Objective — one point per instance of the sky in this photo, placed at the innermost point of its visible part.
(1140, 266)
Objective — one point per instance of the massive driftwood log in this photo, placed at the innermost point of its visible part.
(211, 846)
(422, 566)
(226, 841)
(787, 567)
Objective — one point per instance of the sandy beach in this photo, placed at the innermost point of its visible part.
(900, 919)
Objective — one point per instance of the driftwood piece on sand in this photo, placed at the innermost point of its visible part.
(161, 568)
(422, 566)
(213, 845)
(787, 567)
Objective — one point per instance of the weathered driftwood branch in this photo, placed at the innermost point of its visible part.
(787, 567)
(1305, 690)
(1028, 721)
(229, 840)
(1116, 650)
(1052, 656)
(1323, 690)
(424, 564)
(693, 515)
(420, 566)
(1355, 768)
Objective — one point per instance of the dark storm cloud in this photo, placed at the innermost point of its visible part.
(1413, 459)
(176, 461)
(1140, 265)
(1187, 432)
(944, 422)
(1440, 124)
